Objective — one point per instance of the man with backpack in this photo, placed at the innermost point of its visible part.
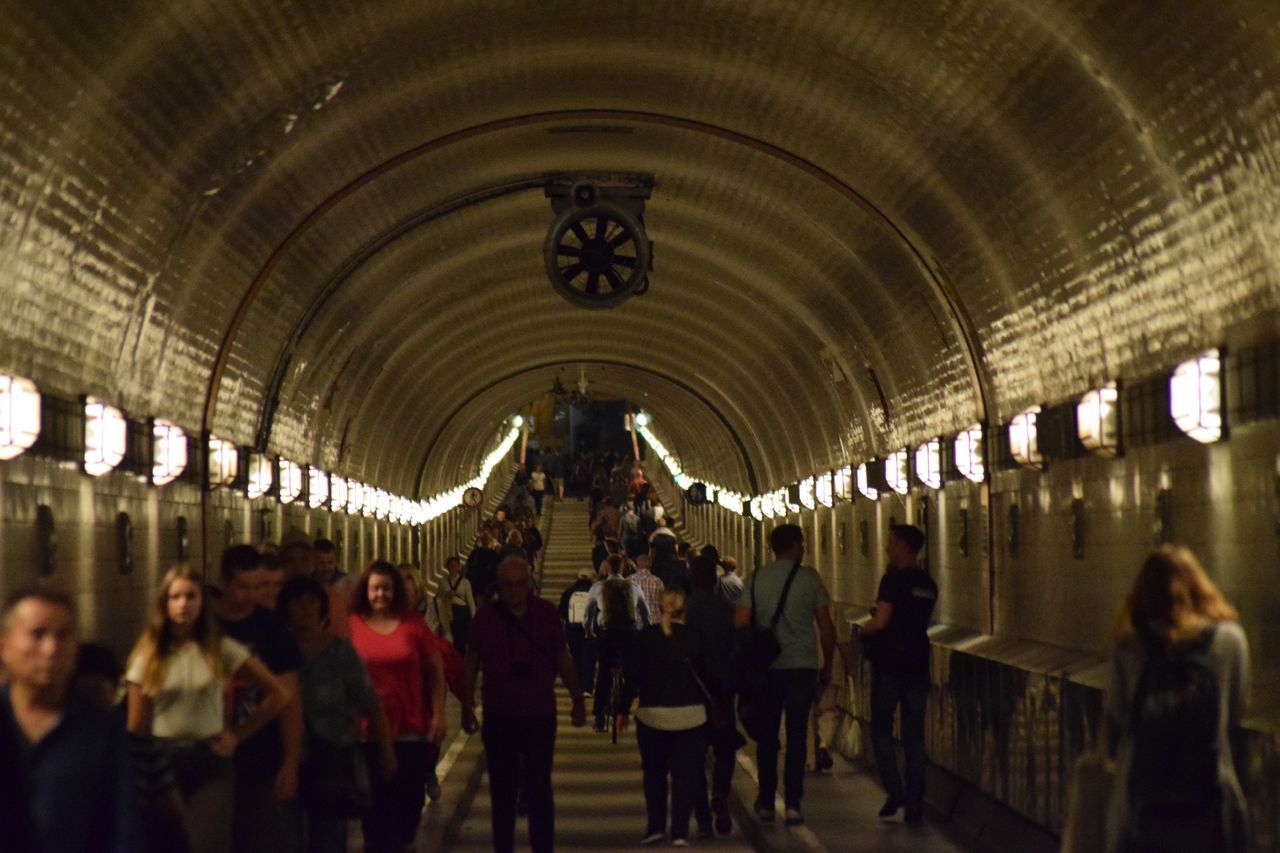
(900, 668)
(616, 612)
(787, 600)
(573, 612)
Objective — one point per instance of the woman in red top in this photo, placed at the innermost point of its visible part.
(404, 663)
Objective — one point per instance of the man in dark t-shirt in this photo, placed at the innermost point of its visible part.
(265, 817)
(897, 640)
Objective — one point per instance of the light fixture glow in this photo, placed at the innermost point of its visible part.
(731, 501)
(822, 489)
(968, 454)
(19, 415)
(1195, 397)
(1024, 440)
(929, 463)
(355, 497)
(842, 483)
(105, 434)
(643, 419)
(1098, 420)
(757, 509)
(290, 481)
(517, 421)
(261, 475)
(807, 499)
(864, 484)
(317, 487)
(169, 452)
(895, 471)
(224, 462)
(382, 505)
(337, 493)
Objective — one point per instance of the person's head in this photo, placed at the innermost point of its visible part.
(661, 522)
(730, 565)
(673, 607)
(614, 564)
(453, 565)
(242, 578)
(586, 575)
(704, 574)
(515, 538)
(97, 676)
(515, 582)
(273, 577)
(180, 601)
(380, 591)
(500, 515)
(711, 551)
(269, 548)
(326, 560)
(903, 545)
(538, 467)
(1172, 598)
(178, 614)
(787, 542)
(40, 640)
(412, 588)
(303, 606)
(682, 549)
(298, 560)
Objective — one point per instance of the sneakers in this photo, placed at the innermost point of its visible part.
(653, 838)
(764, 812)
(599, 725)
(720, 812)
(679, 842)
(793, 817)
(433, 788)
(890, 807)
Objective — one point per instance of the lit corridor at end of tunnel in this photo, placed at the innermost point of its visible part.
(976, 304)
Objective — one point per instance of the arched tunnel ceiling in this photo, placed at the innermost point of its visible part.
(211, 213)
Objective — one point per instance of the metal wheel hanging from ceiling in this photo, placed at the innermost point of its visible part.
(596, 252)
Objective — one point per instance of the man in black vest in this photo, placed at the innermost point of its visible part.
(897, 639)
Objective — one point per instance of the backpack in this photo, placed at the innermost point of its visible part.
(617, 605)
(1175, 730)
(578, 607)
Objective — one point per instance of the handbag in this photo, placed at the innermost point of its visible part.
(1092, 778)
(335, 779)
(717, 714)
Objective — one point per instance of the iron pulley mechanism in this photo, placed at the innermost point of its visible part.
(596, 251)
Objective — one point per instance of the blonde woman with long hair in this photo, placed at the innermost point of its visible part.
(1178, 687)
(668, 668)
(177, 680)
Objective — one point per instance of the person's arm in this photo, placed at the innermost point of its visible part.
(433, 681)
(291, 728)
(1238, 701)
(879, 619)
(1114, 706)
(642, 607)
(470, 674)
(827, 638)
(471, 597)
(275, 697)
(592, 614)
(569, 676)
(139, 710)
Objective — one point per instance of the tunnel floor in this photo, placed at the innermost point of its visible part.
(599, 798)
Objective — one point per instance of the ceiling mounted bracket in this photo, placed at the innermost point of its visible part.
(596, 251)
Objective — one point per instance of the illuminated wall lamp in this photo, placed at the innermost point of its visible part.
(1195, 397)
(842, 483)
(1098, 421)
(383, 505)
(261, 475)
(757, 510)
(224, 462)
(19, 415)
(807, 498)
(317, 487)
(823, 490)
(1024, 440)
(337, 493)
(929, 463)
(782, 501)
(355, 497)
(895, 471)
(105, 435)
(169, 452)
(290, 481)
(863, 480)
(968, 454)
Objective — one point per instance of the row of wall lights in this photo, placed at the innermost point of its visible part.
(106, 436)
(1195, 396)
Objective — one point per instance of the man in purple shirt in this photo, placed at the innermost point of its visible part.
(519, 641)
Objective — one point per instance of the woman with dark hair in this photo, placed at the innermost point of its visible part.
(400, 653)
(1177, 690)
(177, 684)
(337, 696)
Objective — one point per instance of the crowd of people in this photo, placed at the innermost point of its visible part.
(269, 709)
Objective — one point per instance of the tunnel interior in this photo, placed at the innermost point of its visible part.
(316, 231)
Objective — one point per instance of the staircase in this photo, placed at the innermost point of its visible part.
(568, 545)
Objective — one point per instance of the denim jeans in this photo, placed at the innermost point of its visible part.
(680, 755)
(790, 692)
(516, 746)
(889, 690)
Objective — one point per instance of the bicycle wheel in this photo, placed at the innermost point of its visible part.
(615, 699)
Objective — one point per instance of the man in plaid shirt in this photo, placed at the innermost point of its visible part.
(650, 585)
